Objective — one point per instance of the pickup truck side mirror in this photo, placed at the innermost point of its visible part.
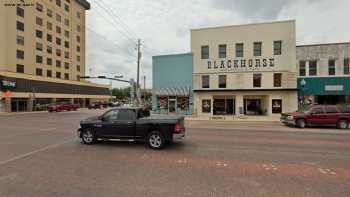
(101, 118)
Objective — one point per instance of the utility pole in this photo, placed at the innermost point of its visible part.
(138, 71)
(144, 89)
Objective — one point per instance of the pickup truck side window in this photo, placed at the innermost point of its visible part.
(316, 111)
(111, 115)
(331, 110)
(127, 114)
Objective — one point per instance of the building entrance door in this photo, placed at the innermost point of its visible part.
(172, 106)
(18, 105)
(253, 107)
(224, 106)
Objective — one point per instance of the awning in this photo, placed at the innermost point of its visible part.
(173, 91)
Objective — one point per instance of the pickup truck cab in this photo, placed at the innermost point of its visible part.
(319, 115)
(132, 124)
(57, 107)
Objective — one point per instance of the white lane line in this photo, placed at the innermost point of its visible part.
(34, 152)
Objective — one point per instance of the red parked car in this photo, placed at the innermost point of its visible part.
(57, 107)
(319, 115)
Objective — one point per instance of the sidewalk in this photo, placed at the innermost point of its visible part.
(33, 112)
(235, 119)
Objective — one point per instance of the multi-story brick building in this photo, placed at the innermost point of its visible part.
(42, 54)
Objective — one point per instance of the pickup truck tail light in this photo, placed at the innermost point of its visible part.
(178, 128)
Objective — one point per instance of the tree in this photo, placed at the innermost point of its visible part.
(121, 93)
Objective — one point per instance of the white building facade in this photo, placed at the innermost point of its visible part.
(244, 70)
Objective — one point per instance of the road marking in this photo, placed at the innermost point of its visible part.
(268, 167)
(182, 161)
(34, 152)
(221, 164)
(326, 171)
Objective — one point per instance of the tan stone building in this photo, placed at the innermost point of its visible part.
(42, 54)
(244, 70)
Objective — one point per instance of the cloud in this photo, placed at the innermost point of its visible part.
(164, 27)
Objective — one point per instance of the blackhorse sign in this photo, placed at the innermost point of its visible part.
(241, 64)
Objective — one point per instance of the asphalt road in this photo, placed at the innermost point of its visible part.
(40, 155)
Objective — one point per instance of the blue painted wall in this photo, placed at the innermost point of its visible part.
(172, 71)
(316, 85)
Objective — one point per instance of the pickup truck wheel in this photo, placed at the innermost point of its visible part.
(301, 123)
(88, 136)
(342, 124)
(156, 140)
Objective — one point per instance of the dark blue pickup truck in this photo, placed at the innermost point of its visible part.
(132, 124)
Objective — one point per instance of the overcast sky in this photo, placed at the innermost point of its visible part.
(164, 27)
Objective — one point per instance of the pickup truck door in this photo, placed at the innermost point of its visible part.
(117, 123)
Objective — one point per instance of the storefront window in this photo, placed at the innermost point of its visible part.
(206, 106)
(276, 106)
(162, 104)
(313, 68)
(223, 106)
(222, 81)
(182, 105)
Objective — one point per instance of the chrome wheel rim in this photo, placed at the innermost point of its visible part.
(155, 141)
(88, 136)
(302, 124)
(343, 125)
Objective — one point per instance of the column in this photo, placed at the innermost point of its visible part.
(239, 105)
(8, 104)
(268, 101)
(30, 104)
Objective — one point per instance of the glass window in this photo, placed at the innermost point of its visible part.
(49, 61)
(66, 54)
(78, 68)
(39, 7)
(20, 40)
(66, 34)
(78, 48)
(276, 106)
(49, 49)
(222, 50)
(277, 79)
(49, 26)
(331, 67)
(78, 14)
(66, 76)
(20, 12)
(206, 106)
(58, 52)
(78, 77)
(111, 115)
(39, 21)
(330, 110)
(66, 44)
(302, 68)
(39, 59)
(58, 63)
(66, 7)
(20, 26)
(58, 29)
(239, 50)
(78, 58)
(205, 81)
(49, 37)
(49, 12)
(66, 22)
(346, 66)
(222, 81)
(49, 73)
(20, 68)
(126, 115)
(20, 54)
(58, 3)
(257, 48)
(256, 80)
(205, 52)
(39, 46)
(39, 34)
(313, 68)
(58, 41)
(277, 47)
(39, 72)
(317, 110)
(58, 75)
(78, 38)
(58, 18)
(66, 65)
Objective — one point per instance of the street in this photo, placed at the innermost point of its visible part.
(40, 155)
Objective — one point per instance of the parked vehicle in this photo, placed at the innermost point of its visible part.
(132, 124)
(98, 105)
(57, 107)
(318, 115)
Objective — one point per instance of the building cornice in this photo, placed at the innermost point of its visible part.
(84, 3)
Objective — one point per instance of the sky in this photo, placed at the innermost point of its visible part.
(113, 27)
